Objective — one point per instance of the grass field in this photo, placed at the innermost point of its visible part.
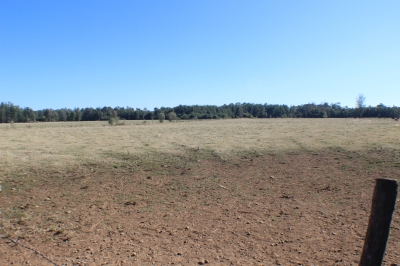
(64, 144)
(74, 187)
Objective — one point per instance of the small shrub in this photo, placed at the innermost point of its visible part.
(161, 117)
(112, 121)
(171, 116)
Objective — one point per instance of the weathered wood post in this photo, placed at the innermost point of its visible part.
(383, 205)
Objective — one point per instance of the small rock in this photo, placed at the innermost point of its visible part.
(202, 262)
(272, 177)
(130, 203)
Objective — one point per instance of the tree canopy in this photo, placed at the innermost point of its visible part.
(13, 113)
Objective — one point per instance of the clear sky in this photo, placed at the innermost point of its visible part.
(148, 53)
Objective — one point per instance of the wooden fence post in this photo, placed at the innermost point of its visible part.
(383, 206)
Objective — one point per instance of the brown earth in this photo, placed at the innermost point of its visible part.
(285, 209)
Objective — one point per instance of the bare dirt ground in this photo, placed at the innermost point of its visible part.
(283, 209)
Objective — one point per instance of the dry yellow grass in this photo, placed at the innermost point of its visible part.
(58, 145)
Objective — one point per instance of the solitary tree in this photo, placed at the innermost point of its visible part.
(360, 104)
(171, 116)
(114, 119)
(161, 117)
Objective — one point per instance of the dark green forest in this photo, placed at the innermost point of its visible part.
(13, 113)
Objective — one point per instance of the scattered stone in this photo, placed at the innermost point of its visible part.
(203, 261)
(272, 177)
(130, 203)
(24, 206)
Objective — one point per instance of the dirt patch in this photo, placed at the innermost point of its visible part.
(287, 209)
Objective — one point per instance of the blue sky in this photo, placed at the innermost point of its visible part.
(136, 53)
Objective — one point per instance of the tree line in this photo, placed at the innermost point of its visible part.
(13, 113)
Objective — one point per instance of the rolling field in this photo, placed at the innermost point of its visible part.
(222, 192)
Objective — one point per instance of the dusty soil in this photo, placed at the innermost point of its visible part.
(287, 209)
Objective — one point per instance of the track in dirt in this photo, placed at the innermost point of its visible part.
(287, 209)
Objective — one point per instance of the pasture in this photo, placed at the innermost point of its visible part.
(220, 192)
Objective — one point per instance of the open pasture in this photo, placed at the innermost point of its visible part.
(223, 192)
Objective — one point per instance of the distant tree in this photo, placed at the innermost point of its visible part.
(148, 116)
(78, 114)
(360, 101)
(3, 115)
(98, 115)
(10, 112)
(137, 115)
(171, 116)
(155, 112)
(47, 114)
(360, 104)
(62, 115)
(114, 119)
(239, 111)
(161, 117)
